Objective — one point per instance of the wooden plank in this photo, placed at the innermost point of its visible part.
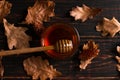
(102, 67)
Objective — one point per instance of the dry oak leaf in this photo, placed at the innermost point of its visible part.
(118, 58)
(108, 26)
(90, 51)
(39, 68)
(118, 65)
(1, 67)
(5, 8)
(118, 49)
(84, 12)
(40, 12)
(16, 36)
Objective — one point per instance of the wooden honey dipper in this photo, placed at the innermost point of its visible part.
(61, 46)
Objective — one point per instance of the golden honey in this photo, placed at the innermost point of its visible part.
(57, 32)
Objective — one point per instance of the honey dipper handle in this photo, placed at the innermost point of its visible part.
(25, 50)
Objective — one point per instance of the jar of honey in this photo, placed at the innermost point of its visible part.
(60, 31)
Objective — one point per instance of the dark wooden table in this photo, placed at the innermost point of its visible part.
(102, 67)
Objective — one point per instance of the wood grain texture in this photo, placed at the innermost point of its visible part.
(102, 67)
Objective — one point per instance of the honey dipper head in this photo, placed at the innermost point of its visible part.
(64, 46)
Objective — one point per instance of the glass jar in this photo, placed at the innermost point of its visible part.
(57, 32)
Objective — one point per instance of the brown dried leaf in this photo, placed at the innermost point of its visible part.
(90, 51)
(118, 49)
(84, 12)
(118, 65)
(41, 11)
(109, 27)
(1, 67)
(5, 8)
(16, 36)
(39, 68)
(118, 58)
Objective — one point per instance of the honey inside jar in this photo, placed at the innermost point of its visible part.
(57, 32)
